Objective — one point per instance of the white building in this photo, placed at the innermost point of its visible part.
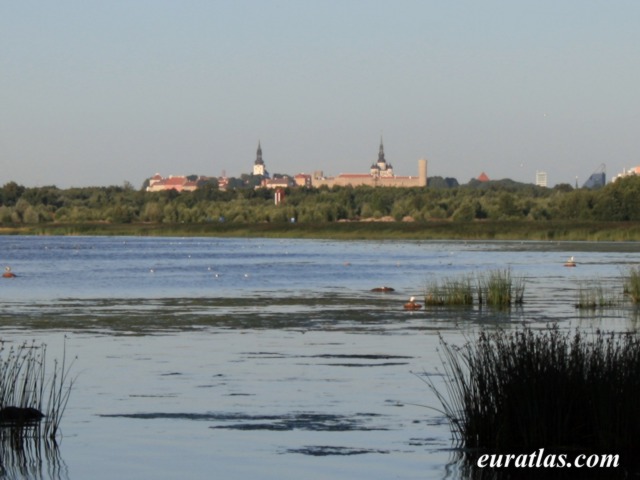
(541, 179)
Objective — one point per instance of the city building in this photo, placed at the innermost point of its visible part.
(541, 179)
(380, 175)
(280, 182)
(258, 166)
(627, 172)
(158, 183)
(483, 177)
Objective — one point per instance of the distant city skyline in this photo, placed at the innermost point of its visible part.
(99, 93)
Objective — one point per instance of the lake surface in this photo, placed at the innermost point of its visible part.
(270, 359)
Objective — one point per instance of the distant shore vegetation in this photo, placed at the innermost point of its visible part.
(478, 210)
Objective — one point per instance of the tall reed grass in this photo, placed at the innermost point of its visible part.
(497, 288)
(519, 391)
(32, 397)
(595, 296)
(449, 292)
(632, 284)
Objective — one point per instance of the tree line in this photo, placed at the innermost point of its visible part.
(442, 199)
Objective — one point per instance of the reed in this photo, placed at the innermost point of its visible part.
(591, 297)
(499, 288)
(632, 284)
(26, 384)
(449, 292)
(516, 392)
(496, 288)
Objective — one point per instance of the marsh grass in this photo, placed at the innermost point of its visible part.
(497, 288)
(26, 383)
(591, 297)
(515, 392)
(449, 292)
(632, 284)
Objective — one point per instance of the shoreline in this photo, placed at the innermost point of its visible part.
(444, 230)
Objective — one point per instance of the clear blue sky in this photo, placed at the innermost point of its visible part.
(96, 92)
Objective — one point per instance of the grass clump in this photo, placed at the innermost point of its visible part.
(499, 289)
(450, 292)
(32, 397)
(516, 392)
(632, 284)
(591, 297)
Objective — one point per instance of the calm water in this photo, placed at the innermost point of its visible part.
(269, 359)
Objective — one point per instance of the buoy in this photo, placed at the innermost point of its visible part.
(412, 305)
(8, 273)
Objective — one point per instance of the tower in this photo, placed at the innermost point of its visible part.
(422, 172)
(381, 168)
(258, 165)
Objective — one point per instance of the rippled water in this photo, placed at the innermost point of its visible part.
(255, 358)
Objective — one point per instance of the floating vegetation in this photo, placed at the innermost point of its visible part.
(512, 392)
(32, 399)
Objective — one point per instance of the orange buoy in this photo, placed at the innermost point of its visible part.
(412, 305)
(8, 273)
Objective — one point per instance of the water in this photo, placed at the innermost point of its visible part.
(258, 358)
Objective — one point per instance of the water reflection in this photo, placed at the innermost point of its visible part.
(30, 456)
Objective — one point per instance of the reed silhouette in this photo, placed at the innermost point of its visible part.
(514, 392)
(32, 396)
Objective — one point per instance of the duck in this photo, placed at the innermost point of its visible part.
(412, 305)
(570, 262)
(8, 273)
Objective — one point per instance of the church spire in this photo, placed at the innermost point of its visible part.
(259, 160)
(381, 152)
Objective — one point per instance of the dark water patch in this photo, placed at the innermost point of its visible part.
(327, 450)
(385, 364)
(164, 395)
(317, 422)
(427, 442)
(168, 415)
(360, 356)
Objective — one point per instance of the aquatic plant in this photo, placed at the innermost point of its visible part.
(499, 289)
(632, 284)
(495, 288)
(25, 386)
(594, 296)
(449, 292)
(515, 392)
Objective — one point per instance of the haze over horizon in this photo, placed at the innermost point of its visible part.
(99, 93)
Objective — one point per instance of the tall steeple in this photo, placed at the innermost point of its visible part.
(381, 152)
(382, 168)
(259, 160)
(258, 165)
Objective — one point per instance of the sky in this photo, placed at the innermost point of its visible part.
(96, 93)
